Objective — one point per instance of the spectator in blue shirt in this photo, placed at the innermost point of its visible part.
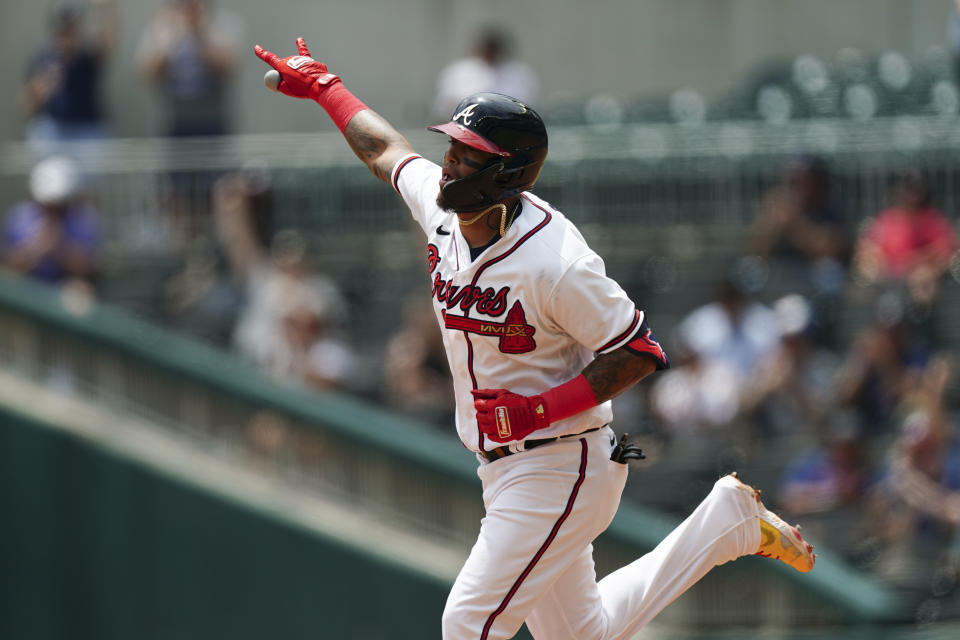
(54, 236)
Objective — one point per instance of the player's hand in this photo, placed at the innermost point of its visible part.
(300, 76)
(506, 416)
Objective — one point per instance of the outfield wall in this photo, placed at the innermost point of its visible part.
(98, 546)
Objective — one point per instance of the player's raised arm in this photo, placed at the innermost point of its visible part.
(371, 137)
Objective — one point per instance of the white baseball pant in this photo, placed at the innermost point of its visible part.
(533, 559)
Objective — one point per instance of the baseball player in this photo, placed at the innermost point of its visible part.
(539, 340)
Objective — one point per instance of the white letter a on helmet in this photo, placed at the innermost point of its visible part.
(466, 114)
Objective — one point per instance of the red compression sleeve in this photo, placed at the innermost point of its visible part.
(569, 398)
(339, 103)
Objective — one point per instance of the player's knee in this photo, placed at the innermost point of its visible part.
(728, 490)
(728, 481)
(730, 486)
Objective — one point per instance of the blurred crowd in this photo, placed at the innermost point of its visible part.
(188, 54)
(859, 433)
(856, 435)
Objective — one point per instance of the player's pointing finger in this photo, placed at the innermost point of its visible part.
(271, 59)
(302, 48)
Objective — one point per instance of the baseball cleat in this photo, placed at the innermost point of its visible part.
(780, 540)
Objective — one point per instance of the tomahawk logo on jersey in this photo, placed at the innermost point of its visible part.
(516, 317)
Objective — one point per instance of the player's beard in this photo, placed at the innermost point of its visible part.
(444, 204)
(479, 185)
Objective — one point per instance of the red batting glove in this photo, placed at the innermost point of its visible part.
(300, 76)
(506, 416)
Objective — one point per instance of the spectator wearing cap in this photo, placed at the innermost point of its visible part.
(54, 236)
(60, 95)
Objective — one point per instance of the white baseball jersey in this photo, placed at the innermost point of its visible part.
(528, 314)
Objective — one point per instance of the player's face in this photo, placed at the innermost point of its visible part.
(460, 161)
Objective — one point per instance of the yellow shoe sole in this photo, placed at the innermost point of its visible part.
(779, 540)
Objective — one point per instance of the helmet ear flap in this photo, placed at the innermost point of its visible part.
(512, 175)
(517, 179)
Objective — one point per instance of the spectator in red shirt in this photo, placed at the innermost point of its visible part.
(910, 242)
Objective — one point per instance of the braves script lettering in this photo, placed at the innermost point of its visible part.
(486, 300)
(433, 257)
(516, 336)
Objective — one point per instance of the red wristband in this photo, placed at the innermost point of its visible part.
(339, 103)
(569, 398)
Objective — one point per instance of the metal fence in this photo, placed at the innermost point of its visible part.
(665, 205)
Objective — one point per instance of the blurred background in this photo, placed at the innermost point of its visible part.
(224, 405)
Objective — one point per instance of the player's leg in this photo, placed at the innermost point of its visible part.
(572, 609)
(543, 508)
(723, 527)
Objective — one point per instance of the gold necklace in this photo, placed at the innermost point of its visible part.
(503, 217)
(483, 213)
